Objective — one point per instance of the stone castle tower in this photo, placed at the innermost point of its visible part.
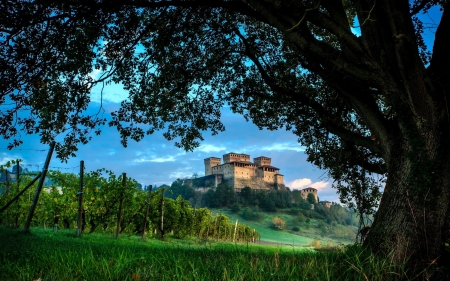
(309, 190)
(238, 171)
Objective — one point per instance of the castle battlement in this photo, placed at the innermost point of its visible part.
(238, 172)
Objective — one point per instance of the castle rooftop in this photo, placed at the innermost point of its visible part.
(269, 166)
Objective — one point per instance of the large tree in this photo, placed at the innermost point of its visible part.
(364, 101)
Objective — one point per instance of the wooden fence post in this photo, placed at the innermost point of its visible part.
(20, 193)
(80, 201)
(215, 225)
(161, 225)
(39, 187)
(146, 211)
(6, 181)
(18, 175)
(234, 237)
(119, 216)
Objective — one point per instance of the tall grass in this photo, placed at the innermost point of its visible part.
(61, 256)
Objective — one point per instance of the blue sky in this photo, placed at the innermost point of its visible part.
(154, 160)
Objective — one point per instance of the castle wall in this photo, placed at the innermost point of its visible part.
(261, 161)
(207, 181)
(246, 172)
(307, 191)
(253, 183)
(235, 157)
(279, 179)
(210, 163)
(237, 171)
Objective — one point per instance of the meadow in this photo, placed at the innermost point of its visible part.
(306, 233)
(45, 255)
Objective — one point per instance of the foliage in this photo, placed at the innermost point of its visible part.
(366, 104)
(278, 223)
(235, 208)
(311, 198)
(179, 188)
(103, 190)
(222, 196)
(249, 214)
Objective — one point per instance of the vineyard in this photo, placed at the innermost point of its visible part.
(113, 204)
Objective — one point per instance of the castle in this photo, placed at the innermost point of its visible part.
(238, 172)
(309, 190)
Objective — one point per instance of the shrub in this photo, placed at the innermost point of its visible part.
(302, 218)
(278, 223)
(248, 214)
(296, 228)
(235, 208)
(315, 244)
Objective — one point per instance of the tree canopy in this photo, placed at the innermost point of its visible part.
(361, 102)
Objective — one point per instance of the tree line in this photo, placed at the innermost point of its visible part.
(224, 196)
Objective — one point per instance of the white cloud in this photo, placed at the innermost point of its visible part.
(299, 183)
(181, 173)
(319, 185)
(154, 159)
(295, 146)
(305, 182)
(113, 93)
(284, 146)
(211, 148)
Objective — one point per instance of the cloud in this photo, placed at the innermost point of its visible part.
(284, 146)
(319, 185)
(277, 147)
(211, 148)
(113, 93)
(299, 183)
(155, 159)
(305, 182)
(181, 173)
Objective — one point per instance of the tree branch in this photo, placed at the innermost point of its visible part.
(305, 100)
(439, 68)
(417, 8)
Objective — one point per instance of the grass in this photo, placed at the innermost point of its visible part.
(287, 236)
(61, 256)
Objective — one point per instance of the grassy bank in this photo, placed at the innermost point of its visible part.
(306, 234)
(61, 256)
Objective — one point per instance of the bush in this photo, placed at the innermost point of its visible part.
(296, 228)
(315, 244)
(248, 214)
(302, 218)
(235, 208)
(278, 223)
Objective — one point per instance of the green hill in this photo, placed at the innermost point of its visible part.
(296, 231)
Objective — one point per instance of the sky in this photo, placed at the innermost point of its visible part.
(156, 161)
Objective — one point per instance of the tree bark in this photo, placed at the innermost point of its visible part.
(412, 221)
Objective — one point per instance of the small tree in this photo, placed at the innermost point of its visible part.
(311, 198)
(278, 223)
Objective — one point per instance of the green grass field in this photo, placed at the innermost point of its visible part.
(302, 238)
(44, 255)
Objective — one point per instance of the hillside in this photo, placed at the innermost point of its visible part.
(296, 231)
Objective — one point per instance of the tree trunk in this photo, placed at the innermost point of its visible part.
(413, 217)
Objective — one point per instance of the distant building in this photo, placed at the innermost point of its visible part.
(238, 171)
(326, 203)
(309, 190)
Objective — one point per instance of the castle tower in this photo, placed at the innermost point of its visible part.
(211, 162)
(308, 190)
(235, 157)
(262, 161)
